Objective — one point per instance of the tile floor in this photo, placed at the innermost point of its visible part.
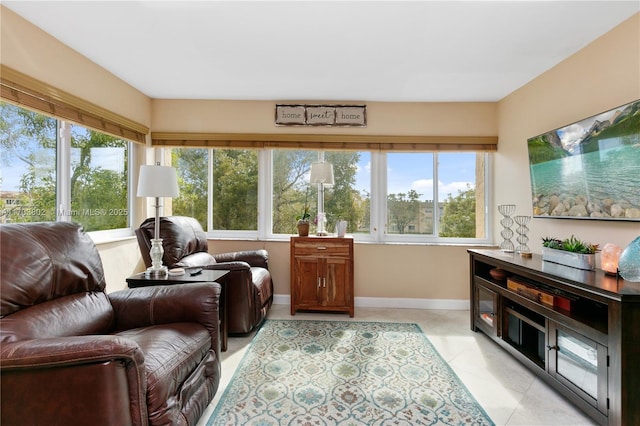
(510, 394)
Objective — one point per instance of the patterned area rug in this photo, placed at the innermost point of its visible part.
(344, 373)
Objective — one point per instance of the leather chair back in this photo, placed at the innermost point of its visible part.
(70, 300)
(182, 237)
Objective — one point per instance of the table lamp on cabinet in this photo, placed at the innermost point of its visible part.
(157, 181)
(321, 174)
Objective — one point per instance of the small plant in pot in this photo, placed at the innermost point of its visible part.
(571, 244)
(570, 251)
(303, 219)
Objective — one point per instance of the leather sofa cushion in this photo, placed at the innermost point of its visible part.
(75, 315)
(172, 354)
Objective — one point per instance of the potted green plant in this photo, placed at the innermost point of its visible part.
(303, 219)
(570, 252)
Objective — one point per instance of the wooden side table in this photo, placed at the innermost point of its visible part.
(205, 275)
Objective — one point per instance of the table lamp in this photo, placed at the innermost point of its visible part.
(157, 181)
(321, 174)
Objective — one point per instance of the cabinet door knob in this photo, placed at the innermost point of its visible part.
(553, 348)
(321, 248)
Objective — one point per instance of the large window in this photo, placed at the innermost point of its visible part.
(435, 194)
(384, 196)
(53, 170)
(410, 194)
(347, 199)
(223, 182)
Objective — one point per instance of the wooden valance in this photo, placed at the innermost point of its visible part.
(329, 142)
(27, 92)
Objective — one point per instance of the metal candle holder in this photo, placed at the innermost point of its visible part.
(506, 210)
(522, 231)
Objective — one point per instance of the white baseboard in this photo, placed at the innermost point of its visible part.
(384, 302)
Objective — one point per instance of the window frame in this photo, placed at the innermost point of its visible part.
(383, 237)
(63, 184)
(377, 227)
(63, 181)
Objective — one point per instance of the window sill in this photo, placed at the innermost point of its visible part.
(111, 236)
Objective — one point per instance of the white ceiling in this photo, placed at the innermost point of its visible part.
(326, 50)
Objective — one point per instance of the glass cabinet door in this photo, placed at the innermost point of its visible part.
(486, 310)
(580, 363)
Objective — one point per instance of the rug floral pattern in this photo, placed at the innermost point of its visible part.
(344, 373)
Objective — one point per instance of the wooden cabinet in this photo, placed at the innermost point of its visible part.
(322, 274)
(584, 341)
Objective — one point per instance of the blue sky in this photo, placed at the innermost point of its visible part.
(415, 171)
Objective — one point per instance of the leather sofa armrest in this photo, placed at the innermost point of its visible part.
(256, 258)
(199, 259)
(41, 374)
(68, 351)
(230, 266)
(145, 306)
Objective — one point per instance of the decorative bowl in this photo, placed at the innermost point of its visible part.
(498, 274)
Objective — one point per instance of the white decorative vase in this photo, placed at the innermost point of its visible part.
(567, 258)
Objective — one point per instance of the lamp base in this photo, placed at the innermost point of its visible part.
(150, 272)
(320, 225)
(157, 269)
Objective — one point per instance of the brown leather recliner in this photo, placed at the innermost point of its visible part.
(249, 286)
(71, 354)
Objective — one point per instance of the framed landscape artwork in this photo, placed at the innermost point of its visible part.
(589, 169)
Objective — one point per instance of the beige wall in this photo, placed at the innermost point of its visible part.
(390, 271)
(383, 118)
(33, 52)
(601, 76)
(120, 259)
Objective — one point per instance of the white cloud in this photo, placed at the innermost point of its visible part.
(424, 187)
(452, 188)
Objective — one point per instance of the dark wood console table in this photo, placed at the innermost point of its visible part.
(204, 275)
(585, 342)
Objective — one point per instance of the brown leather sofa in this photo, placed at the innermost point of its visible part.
(71, 354)
(249, 286)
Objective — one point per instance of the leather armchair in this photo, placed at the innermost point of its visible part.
(249, 286)
(72, 354)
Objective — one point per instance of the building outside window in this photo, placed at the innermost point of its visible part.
(435, 194)
(28, 165)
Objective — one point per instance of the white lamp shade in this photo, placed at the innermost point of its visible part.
(321, 173)
(158, 181)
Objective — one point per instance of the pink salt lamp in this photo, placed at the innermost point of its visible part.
(609, 257)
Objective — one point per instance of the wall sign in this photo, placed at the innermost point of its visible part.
(321, 115)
